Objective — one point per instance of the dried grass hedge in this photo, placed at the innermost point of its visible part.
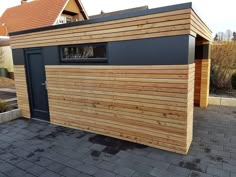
(223, 56)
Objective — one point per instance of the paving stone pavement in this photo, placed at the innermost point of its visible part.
(31, 148)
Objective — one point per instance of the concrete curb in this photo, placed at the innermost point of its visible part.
(10, 115)
(222, 101)
(8, 90)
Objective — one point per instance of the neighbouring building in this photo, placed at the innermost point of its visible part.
(37, 14)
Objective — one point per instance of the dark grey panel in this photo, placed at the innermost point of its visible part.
(206, 51)
(115, 17)
(172, 50)
(51, 55)
(203, 52)
(18, 56)
(191, 49)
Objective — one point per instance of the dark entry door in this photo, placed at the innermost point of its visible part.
(37, 84)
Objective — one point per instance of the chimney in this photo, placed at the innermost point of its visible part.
(23, 1)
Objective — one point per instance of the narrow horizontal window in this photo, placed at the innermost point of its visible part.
(91, 53)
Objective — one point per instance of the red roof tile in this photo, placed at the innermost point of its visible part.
(35, 14)
(3, 31)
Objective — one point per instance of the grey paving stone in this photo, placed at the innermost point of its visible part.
(21, 153)
(16, 172)
(49, 174)
(141, 167)
(2, 175)
(74, 163)
(5, 167)
(56, 167)
(199, 174)
(28, 175)
(69, 172)
(42, 161)
(228, 167)
(179, 170)
(213, 145)
(97, 147)
(36, 170)
(231, 175)
(14, 160)
(86, 168)
(140, 174)
(84, 175)
(123, 171)
(161, 165)
(106, 166)
(217, 172)
(163, 173)
(156, 156)
(104, 173)
(134, 165)
(123, 154)
(25, 164)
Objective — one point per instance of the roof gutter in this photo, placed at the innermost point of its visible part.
(4, 41)
(4, 38)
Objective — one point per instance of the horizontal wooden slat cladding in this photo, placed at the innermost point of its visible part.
(21, 90)
(190, 107)
(202, 82)
(198, 27)
(149, 26)
(197, 87)
(205, 82)
(127, 102)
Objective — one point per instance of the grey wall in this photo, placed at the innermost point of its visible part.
(18, 56)
(155, 51)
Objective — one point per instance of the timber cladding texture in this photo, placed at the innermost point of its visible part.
(21, 90)
(152, 105)
(172, 23)
(202, 82)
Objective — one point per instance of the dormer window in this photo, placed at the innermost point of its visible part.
(69, 19)
(65, 19)
(62, 19)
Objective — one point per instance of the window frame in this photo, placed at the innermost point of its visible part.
(84, 60)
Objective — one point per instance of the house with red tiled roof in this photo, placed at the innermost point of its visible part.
(41, 13)
(36, 14)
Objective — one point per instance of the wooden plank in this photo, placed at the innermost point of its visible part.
(89, 102)
(120, 38)
(198, 27)
(21, 92)
(168, 24)
(201, 22)
(109, 67)
(202, 82)
(145, 117)
(133, 108)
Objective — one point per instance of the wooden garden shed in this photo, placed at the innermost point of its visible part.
(133, 76)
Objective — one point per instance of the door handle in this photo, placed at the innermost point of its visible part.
(45, 84)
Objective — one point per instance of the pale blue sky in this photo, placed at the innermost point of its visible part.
(218, 15)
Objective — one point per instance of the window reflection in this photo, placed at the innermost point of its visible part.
(83, 53)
